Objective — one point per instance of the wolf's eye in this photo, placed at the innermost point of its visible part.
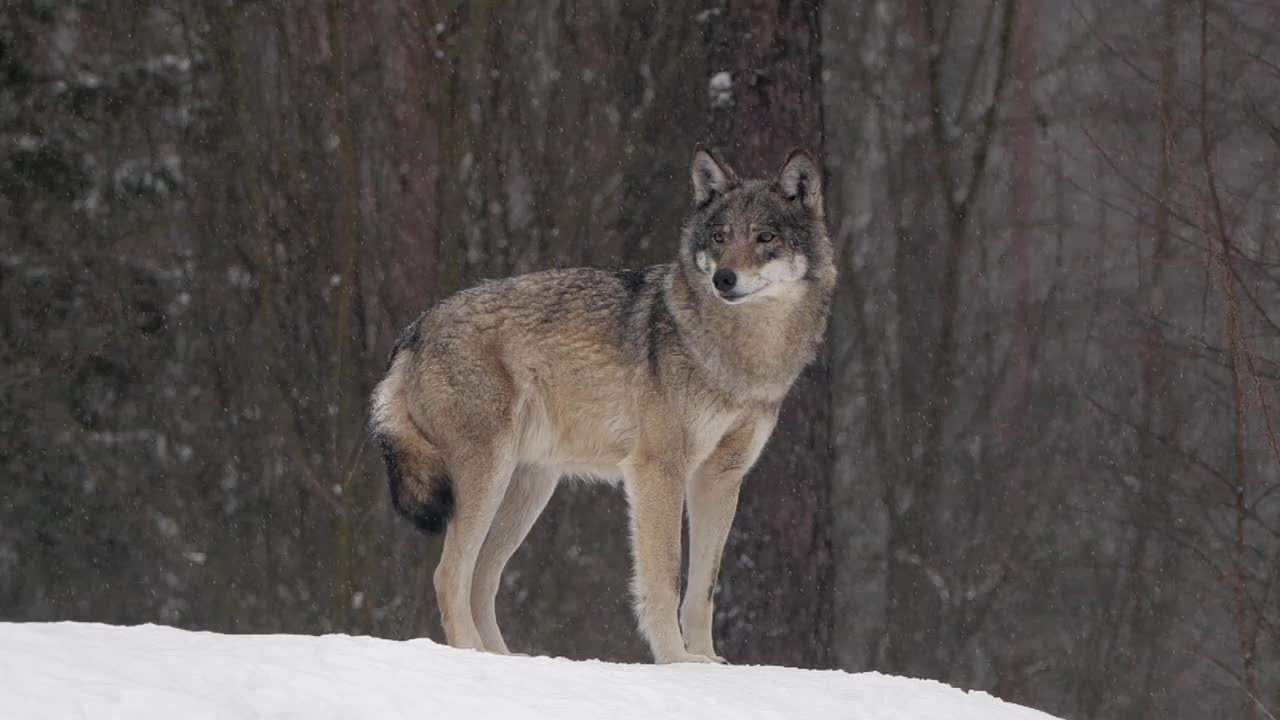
(717, 236)
(765, 237)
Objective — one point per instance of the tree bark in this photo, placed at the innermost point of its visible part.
(345, 228)
(776, 583)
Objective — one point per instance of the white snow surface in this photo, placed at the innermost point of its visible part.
(80, 670)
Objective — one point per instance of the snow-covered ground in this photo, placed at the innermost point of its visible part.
(77, 670)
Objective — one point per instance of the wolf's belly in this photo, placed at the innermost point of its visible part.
(586, 432)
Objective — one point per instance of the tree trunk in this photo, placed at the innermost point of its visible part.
(345, 227)
(776, 588)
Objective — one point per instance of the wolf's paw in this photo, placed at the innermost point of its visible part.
(692, 658)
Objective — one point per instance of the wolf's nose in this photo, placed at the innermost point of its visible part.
(724, 280)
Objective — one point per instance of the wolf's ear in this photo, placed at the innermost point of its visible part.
(711, 177)
(801, 178)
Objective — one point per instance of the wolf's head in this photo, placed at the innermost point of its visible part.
(756, 240)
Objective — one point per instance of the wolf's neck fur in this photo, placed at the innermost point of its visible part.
(757, 349)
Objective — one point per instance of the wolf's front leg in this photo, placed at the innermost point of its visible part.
(713, 500)
(655, 492)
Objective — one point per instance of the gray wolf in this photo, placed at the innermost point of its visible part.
(667, 379)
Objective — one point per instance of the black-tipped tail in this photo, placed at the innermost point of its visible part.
(427, 501)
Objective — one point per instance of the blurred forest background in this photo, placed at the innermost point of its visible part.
(1040, 457)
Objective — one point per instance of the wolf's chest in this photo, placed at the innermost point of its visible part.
(705, 426)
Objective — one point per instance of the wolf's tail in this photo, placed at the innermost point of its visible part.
(420, 486)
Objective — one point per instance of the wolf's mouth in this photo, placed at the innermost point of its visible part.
(735, 298)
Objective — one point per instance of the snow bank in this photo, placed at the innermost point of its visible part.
(75, 670)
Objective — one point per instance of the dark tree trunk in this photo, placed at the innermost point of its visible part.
(776, 589)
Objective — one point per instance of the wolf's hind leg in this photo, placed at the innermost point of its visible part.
(530, 489)
(479, 486)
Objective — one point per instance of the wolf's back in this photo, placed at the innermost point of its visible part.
(584, 330)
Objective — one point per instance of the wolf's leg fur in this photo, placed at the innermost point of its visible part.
(713, 500)
(530, 489)
(479, 485)
(655, 493)
(712, 495)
